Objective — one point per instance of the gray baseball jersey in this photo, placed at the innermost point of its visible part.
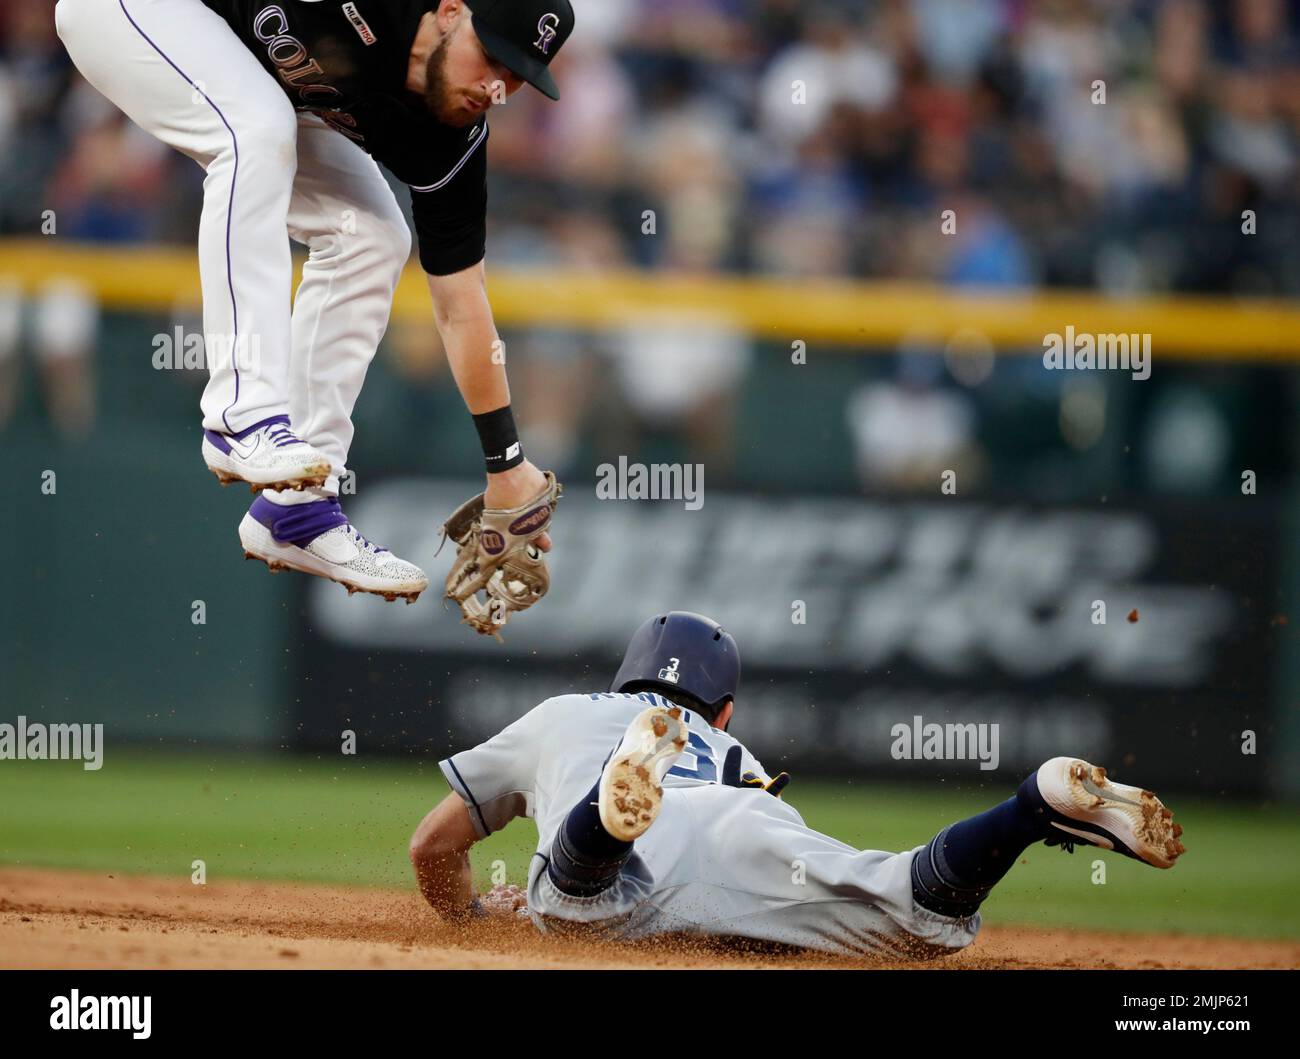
(719, 860)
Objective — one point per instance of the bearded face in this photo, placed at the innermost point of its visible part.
(460, 78)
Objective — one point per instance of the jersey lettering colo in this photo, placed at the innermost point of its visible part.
(347, 63)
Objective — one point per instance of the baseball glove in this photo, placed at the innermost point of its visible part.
(498, 569)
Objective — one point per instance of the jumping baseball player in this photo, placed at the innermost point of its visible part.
(652, 820)
(288, 105)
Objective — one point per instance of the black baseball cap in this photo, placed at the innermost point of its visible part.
(524, 35)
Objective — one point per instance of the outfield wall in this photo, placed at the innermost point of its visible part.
(976, 609)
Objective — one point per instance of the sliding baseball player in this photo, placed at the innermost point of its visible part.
(288, 106)
(652, 819)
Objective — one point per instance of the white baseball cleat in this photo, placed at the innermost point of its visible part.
(316, 538)
(267, 455)
(631, 785)
(1076, 802)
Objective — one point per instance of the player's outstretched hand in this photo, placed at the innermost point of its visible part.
(504, 901)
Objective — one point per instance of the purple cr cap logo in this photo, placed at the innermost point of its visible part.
(546, 27)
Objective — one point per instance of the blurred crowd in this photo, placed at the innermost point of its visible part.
(1127, 145)
(1111, 143)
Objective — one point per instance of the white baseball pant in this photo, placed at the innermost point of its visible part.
(178, 71)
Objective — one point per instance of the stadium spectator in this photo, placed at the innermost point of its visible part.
(819, 136)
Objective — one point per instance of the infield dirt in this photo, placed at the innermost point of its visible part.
(62, 919)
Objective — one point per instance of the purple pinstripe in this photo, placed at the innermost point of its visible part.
(230, 206)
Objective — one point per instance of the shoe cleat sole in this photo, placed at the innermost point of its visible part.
(1132, 815)
(631, 790)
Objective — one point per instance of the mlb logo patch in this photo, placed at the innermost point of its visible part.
(359, 24)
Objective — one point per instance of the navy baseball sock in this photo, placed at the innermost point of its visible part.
(585, 858)
(956, 871)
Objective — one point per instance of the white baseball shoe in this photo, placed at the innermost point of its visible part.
(631, 785)
(268, 455)
(1075, 802)
(316, 538)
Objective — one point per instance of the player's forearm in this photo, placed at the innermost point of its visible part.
(464, 319)
(439, 852)
(446, 882)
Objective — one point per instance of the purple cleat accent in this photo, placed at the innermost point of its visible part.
(316, 538)
(266, 455)
(282, 437)
(298, 524)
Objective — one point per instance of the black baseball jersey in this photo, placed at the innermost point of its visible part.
(347, 62)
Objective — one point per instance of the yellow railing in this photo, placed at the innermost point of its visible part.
(829, 313)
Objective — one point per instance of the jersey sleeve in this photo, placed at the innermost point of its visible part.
(751, 764)
(451, 212)
(497, 779)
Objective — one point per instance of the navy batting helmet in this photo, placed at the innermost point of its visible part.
(683, 652)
